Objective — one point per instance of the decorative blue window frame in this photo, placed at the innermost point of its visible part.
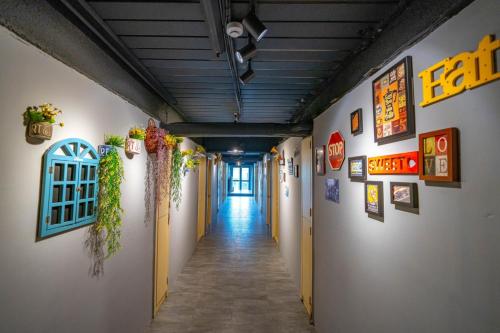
(69, 187)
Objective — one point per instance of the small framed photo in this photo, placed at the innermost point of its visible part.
(404, 194)
(357, 122)
(332, 190)
(438, 155)
(320, 160)
(290, 166)
(357, 168)
(374, 198)
(296, 171)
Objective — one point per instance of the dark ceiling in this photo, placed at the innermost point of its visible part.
(306, 42)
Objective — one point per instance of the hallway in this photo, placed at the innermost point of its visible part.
(236, 281)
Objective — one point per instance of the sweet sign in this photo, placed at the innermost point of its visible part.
(466, 70)
(336, 150)
(398, 164)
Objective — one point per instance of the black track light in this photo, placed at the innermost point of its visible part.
(248, 75)
(254, 26)
(246, 52)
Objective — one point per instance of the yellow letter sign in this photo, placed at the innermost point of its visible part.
(466, 70)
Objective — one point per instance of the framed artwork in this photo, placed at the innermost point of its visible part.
(296, 171)
(404, 194)
(357, 168)
(290, 166)
(282, 158)
(374, 198)
(438, 155)
(332, 190)
(393, 108)
(357, 122)
(320, 160)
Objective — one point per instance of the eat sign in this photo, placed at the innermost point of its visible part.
(336, 151)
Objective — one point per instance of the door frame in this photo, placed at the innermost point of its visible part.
(275, 200)
(202, 198)
(250, 180)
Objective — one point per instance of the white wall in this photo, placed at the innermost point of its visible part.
(45, 285)
(290, 212)
(435, 272)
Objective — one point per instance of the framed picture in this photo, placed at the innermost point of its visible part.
(282, 158)
(320, 160)
(404, 194)
(438, 155)
(374, 198)
(332, 190)
(393, 108)
(357, 168)
(357, 122)
(296, 171)
(290, 166)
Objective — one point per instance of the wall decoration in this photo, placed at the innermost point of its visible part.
(320, 160)
(404, 194)
(40, 120)
(133, 143)
(357, 168)
(290, 166)
(192, 158)
(393, 109)
(397, 164)
(69, 187)
(296, 171)
(332, 190)
(357, 122)
(282, 158)
(287, 191)
(467, 70)
(152, 137)
(336, 150)
(374, 198)
(438, 155)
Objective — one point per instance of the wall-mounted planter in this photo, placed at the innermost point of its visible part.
(104, 150)
(40, 130)
(133, 146)
(152, 137)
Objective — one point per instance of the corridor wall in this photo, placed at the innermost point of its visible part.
(290, 215)
(435, 272)
(46, 286)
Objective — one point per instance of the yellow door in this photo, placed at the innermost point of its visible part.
(306, 238)
(210, 172)
(267, 184)
(275, 206)
(202, 187)
(161, 250)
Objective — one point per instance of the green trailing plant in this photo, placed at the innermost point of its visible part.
(176, 177)
(109, 215)
(114, 140)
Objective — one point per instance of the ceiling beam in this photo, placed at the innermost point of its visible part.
(238, 129)
(407, 27)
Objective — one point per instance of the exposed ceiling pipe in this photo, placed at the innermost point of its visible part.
(213, 19)
(239, 130)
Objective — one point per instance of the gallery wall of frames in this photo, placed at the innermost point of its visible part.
(408, 225)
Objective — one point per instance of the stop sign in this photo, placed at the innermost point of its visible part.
(336, 151)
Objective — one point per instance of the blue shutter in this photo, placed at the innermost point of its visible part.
(69, 187)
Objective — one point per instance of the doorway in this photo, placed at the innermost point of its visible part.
(240, 180)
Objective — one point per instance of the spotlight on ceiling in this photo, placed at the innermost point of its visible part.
(254, 26)
(248, 75)
(246, 52)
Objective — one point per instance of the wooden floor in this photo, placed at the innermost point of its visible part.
(235, 282)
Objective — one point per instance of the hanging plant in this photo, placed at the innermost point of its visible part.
(133, 143)
(109, 214)
(40, 120)
(173, 142)
(152, 137)
(192, 158)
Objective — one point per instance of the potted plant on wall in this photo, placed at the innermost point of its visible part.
(110, 142)
(40, 120)
(133, 142)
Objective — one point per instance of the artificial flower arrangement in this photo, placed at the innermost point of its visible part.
(40, 120)
(192, 158)
(133, 143)
(173, 143)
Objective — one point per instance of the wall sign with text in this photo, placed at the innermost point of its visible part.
(438, 155)
(336, 150)
(397, 164)
(466, 70)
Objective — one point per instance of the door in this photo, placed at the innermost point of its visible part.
(240, 182)
(202, 195)
(306, 237)
(275, 200)
(210, 172)
(162, 235)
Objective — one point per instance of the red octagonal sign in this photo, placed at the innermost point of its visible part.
(336, 151)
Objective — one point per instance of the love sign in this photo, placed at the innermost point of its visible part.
(398, 164)
(336, 150)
